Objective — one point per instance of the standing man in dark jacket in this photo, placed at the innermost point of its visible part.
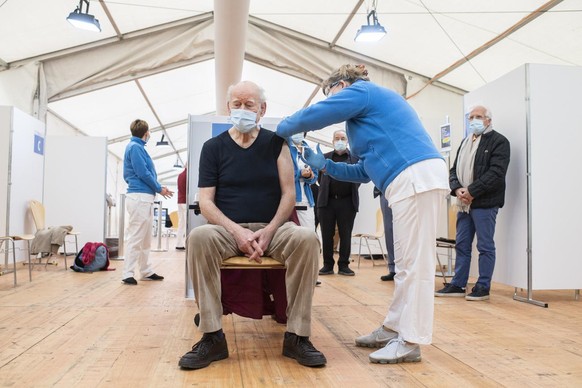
(337, 202)
(477, 179)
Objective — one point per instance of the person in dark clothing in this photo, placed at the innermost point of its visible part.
(337, 203)
(315, 191)
(477, 180)
(388, 235)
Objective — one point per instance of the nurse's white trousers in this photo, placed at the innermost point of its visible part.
(415, 224)
(138, 234)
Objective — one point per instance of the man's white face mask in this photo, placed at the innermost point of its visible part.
(243, 120)
(340, 145)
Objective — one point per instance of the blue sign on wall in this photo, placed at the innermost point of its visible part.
(218, 128)
(38, 144)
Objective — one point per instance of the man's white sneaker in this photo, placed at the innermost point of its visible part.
(376, 339)
(396, 351)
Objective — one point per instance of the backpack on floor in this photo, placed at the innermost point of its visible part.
(93, 257)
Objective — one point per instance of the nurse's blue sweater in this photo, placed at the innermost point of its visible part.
(138, 169)
(383, 131)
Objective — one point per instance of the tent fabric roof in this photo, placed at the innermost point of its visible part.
(159, 54)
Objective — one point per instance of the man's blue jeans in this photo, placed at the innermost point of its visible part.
(480, 222)
(388, 232)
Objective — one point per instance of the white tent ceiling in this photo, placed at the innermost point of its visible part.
(460, 43)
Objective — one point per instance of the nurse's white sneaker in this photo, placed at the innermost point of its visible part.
(396, 351)
(376, 339)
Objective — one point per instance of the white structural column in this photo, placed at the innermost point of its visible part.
(230, 32)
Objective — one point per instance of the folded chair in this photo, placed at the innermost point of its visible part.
(449, 245)
(172, 231)
(379, 234)
(38, 215)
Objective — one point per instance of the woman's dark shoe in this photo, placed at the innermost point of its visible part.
(155, 277)
(387, 278)
(131, 281)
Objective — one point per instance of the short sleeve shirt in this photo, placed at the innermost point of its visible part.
(246, 179)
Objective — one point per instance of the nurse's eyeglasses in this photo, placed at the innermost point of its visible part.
(326, 90)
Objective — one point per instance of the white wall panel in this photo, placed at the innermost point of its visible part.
(21, 172)
(75, 176)
(555, 101)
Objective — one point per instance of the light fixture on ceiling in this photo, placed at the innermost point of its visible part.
(371, 32)
(162, 142)
(84, 20)
(178, 164)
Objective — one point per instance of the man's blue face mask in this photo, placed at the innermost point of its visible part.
(477, 126)
(243, 120)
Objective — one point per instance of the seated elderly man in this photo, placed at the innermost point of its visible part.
(247, 193)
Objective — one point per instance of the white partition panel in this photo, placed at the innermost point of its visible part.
(75, 176)
(535, 107)
(21, 171)
(555, 101)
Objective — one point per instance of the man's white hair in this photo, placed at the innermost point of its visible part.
(262, 96)
(339, 130)
(488, 112)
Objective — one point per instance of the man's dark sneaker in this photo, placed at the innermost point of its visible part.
(346, 271)
(451, 290)
(302, 350)
(130, 281)
(212, 347)
(155, 277)
(478, 293)
(326, 270)
(389, 277)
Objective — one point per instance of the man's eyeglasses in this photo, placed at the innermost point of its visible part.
(326, 90)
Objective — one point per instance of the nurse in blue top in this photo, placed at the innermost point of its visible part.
(398, 156)
(142, 186)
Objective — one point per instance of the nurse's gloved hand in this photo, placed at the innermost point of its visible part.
(315, 159)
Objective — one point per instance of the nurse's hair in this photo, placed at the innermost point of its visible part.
(348, 73)
(138, 128)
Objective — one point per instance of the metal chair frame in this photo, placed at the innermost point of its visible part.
(376, 237)
(12, 240)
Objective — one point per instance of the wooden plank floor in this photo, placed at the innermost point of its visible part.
(68, 329)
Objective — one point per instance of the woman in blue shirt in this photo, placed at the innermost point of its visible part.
(142, 185)
(398, 156)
